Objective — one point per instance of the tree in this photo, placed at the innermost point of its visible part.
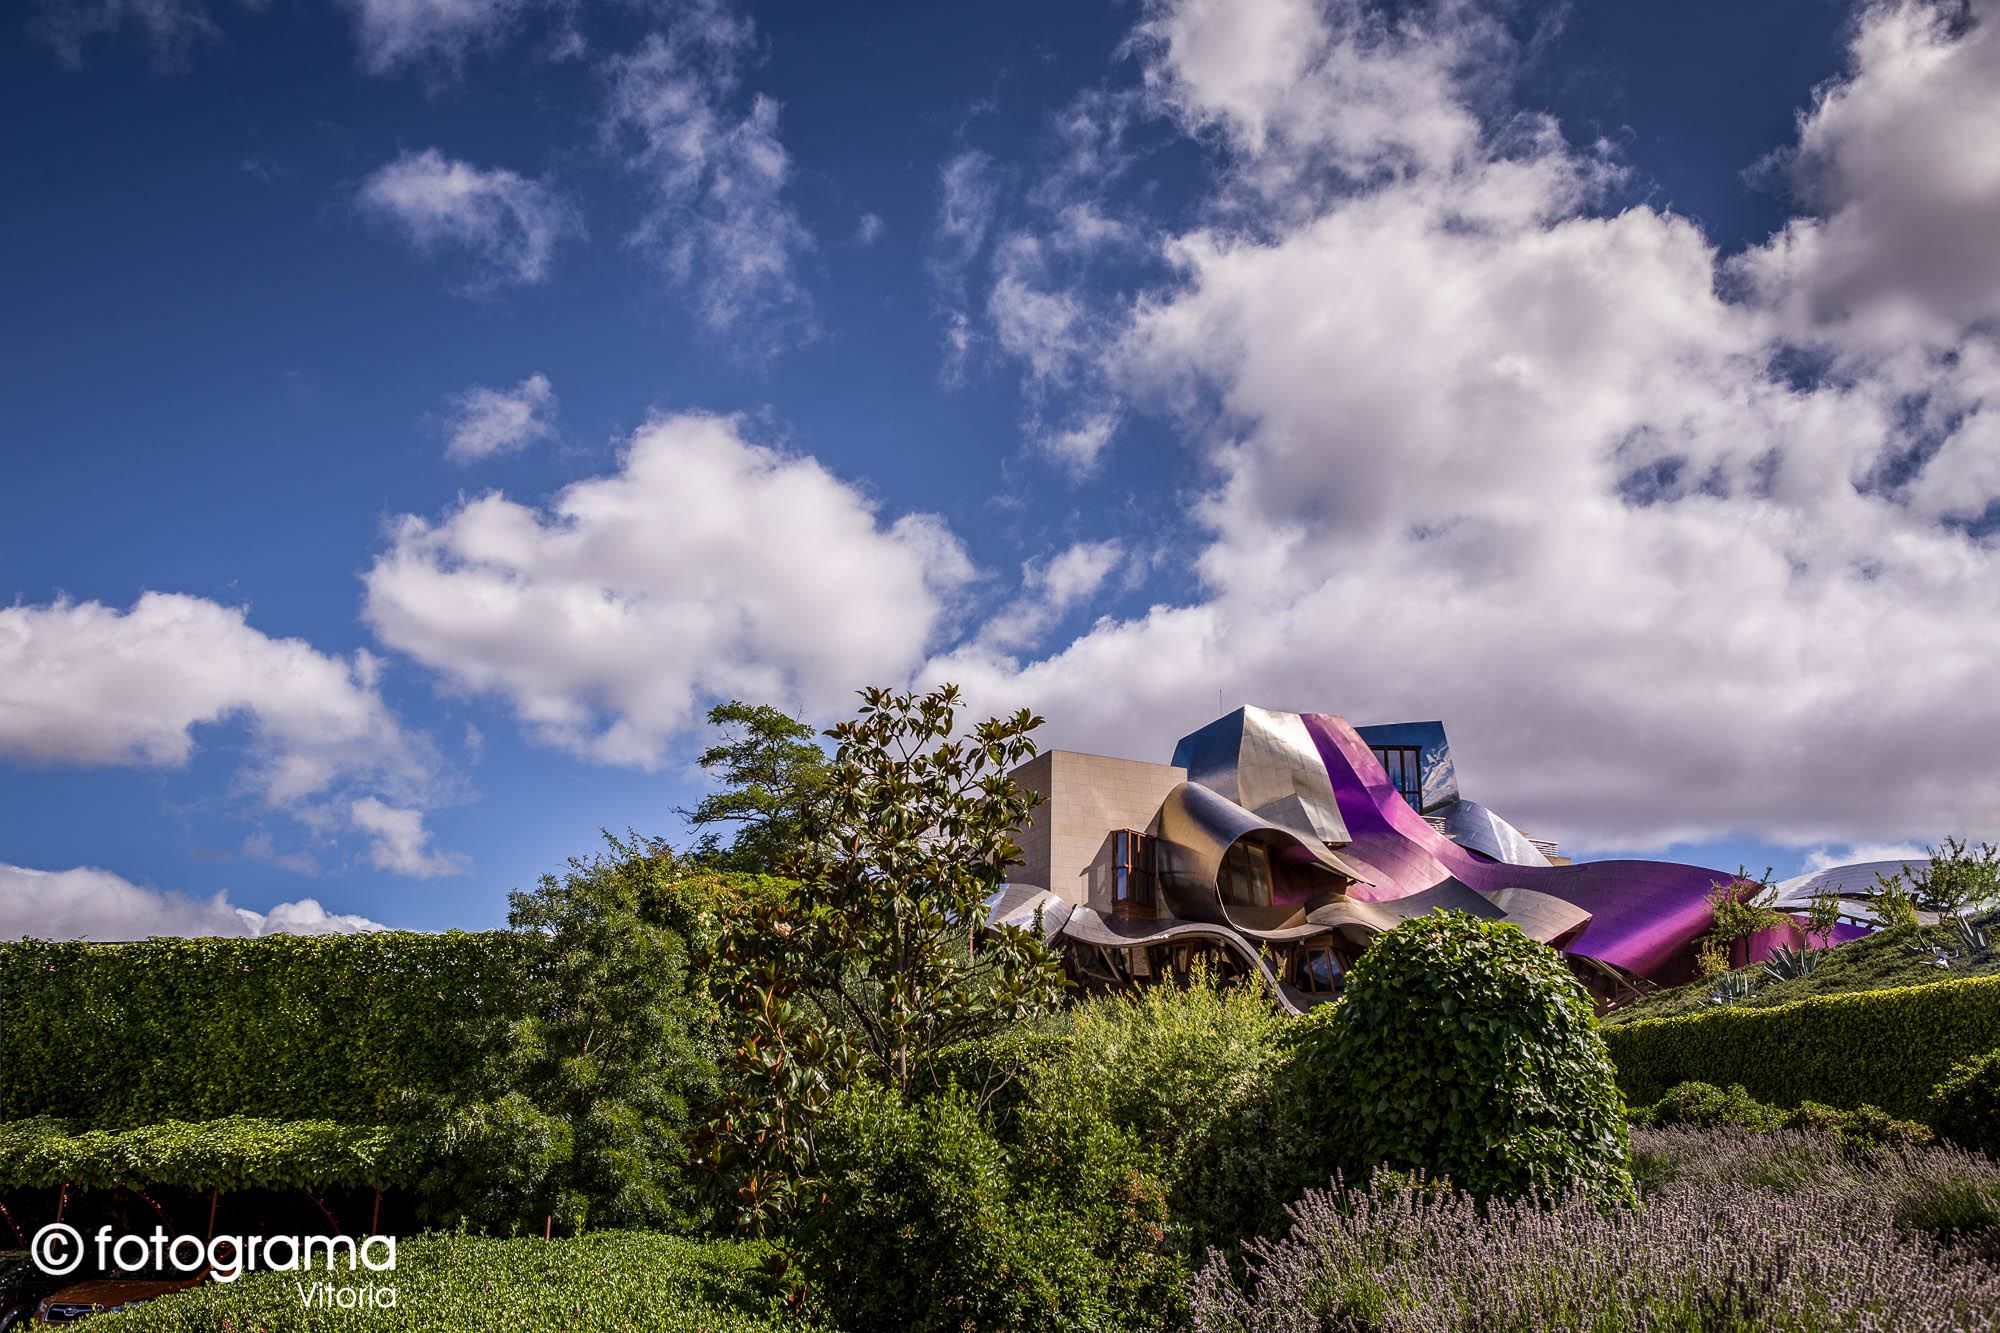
(772, 772)
(878, 959)
(1823, 913)
(1956, 876)
(1742, 908)
(586, 1112)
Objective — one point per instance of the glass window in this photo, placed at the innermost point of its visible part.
(1404, 764)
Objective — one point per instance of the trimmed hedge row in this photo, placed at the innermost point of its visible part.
(237, 1153)
(1885, 1047)
(610, 1282)
(351, 1028)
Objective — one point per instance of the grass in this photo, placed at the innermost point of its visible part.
(1874, 962)
(464, 1284)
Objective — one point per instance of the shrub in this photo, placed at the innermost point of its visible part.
(352, 1028)
(1885, 1047)
(232, 1154)
(1856, 1247)
(1191, 1075)
(604, 1283)
(1965, 1106)
(1464, 1049)
(920, 1226)
(1705, 1105)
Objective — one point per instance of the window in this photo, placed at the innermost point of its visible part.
(1245, 878)
(1132, 874)
(1405, 764)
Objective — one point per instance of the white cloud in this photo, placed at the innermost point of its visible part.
(717, 220)
(706, 566)
(396, 33)
(1901, 166)
(401, 843)
(505, 226)
(1080, 449)
(1049, 589)
(486, 421)
(86, 684)
(1474, 449)
(91, 904)
(869, 229)
(1825, 858)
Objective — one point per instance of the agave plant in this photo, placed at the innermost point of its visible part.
(1730, 986)
(1788, 964)
(1972, 939)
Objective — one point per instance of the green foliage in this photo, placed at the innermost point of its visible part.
(875, 962)
(1192, 1075)
(1706, 1106)
(1873, 962)
(554, 1067)
(1956, 876)
(1464, 1049)
(240, 1152)
(585, 1107)
(603, 1283)
(1895, 906)
(1742, 908)
(1823, 913)
(1886, 1047)
(1789, 964)
(924, 1227)
(1965, 1105)
(361, 1029)
(773, 775)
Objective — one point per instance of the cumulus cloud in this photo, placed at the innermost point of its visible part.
(1049, 589)
(869, 229)
(1478, 447)
(396, 33)
(715, 171)
(505, 227)
(92, 904)
(706, 566)
(401, 843)
(485, 422)
(86, 684)
(1898, 165)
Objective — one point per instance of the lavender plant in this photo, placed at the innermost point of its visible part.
(1746, 1231)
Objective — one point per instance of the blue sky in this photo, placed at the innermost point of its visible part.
(417, 414)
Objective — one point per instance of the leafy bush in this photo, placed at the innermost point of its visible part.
(922, 1226)
(352, 1028)
(236, 1153)
(1192, 1075)
(1965, 1106)
(602, 1283)
(1885, 1047)
(1853, 1247)
(1464, 1049)
(1705, 1105)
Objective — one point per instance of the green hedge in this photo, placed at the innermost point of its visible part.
(605, 1283)
(349, 1028)
(232, 1154)
(1885, 1047)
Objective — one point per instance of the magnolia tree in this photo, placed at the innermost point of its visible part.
(878, 958)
